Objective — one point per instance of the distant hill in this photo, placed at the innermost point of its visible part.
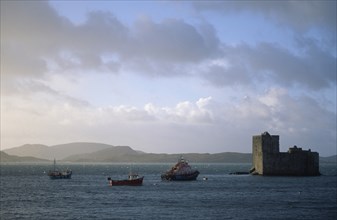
(112, 154)
(331, 159)
(5, 158)
(127, 154)
(96, 152)
(57, 151)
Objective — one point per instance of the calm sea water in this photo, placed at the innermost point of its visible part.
(28, 193)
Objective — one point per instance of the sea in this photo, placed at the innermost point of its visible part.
(28, 193)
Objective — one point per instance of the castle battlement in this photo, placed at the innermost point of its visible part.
(268, 160)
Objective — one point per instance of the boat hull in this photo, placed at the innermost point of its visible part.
(180, 177)
(133, 182)
(58, 175)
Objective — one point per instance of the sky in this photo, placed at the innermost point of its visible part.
(169, 76)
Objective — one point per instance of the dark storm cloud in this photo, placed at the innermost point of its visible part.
(33, 32)
(101, 33)
(315, 69)
(172, 40)
(313, 65)
(267, 62)
(25, 37)
(169, 48)
(40, 35)
(39, 40)
(299, 15)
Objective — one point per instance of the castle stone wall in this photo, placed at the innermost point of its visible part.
(267, 160)
(257, 154)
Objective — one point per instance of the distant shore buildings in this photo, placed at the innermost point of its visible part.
(268, 160)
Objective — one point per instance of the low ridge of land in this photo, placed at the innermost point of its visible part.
(5, 158)
(97, 152)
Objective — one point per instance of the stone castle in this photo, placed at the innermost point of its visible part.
(268, 160)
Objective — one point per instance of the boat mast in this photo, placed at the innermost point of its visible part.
(54, 164)
(130, 170)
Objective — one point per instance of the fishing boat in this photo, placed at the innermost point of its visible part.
(133, 180)
(181, 171)
(56, 174)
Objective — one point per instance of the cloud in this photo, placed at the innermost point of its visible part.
(171, 47)
(27, 38)
(183, 112)
(300, 15)
(172, 40)
(34, 47)
(296, 119)
(41, 52)
(186, 126)
(269, 63)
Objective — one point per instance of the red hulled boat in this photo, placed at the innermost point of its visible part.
(133, 180)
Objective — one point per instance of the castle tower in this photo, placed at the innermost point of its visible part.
(264, 146)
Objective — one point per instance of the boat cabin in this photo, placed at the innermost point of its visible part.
(133, 176)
